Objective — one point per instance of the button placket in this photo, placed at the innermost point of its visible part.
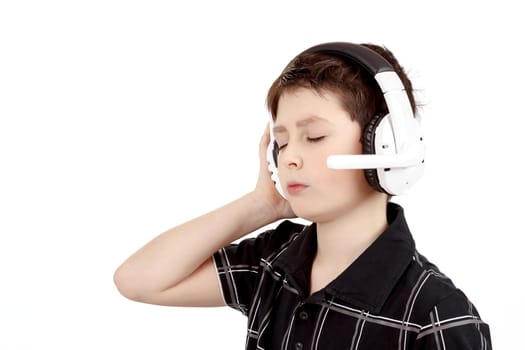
(303, 315)
(302, 326)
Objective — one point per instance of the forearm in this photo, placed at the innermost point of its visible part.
(172, 256)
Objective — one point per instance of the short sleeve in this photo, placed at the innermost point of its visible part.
(239, 266)
(454, 324)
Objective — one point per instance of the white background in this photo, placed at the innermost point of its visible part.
(121, 119)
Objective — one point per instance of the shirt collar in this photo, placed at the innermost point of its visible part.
(368, 281)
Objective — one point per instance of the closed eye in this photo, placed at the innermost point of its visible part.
(314, 139)
(309, 139)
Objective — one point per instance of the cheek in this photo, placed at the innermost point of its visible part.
(356, 147)
(347, 148)
(343, 178)
(343, 144)
(342, 181)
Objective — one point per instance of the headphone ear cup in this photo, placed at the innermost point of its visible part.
(368, 140)
(272, 154)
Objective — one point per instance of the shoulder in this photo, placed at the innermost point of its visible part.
(265, 244)
(278, 238)
(433, 291)
(447, 316)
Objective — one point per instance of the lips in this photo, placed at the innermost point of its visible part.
(295, 188)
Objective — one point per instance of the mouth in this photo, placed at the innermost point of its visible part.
(295, 188)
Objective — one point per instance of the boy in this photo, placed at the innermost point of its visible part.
(350, 280)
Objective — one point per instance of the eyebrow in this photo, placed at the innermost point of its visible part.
(300, 123)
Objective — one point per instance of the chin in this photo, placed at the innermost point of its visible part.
(313, 213)
(304, 211)
(324, 213)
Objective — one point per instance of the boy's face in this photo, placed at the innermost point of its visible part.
(308, 128)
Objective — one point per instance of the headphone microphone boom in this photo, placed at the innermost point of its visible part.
(393, 148)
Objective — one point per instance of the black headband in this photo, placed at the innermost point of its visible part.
(369, 59)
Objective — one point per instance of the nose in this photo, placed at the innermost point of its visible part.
(290, 157)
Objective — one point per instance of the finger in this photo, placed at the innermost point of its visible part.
(265, 139)
(263, 146)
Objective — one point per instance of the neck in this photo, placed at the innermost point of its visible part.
(342, 240)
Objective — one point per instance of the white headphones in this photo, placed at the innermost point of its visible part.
(393, 148)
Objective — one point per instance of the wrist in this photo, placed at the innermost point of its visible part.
(263, 208)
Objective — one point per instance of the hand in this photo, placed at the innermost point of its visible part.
(265, 187)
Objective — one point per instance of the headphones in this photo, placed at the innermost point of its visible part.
(393, 148)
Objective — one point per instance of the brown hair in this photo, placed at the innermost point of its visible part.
(358, 91)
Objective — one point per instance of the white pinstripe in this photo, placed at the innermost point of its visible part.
(361, 331)
(441, 330)
(413, 301)
(225, 254)
(386, 321)
(318, 332)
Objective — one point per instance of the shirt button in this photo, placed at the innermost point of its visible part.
(303, 315)
(298, 346)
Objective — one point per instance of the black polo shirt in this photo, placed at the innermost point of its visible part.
(391, 297)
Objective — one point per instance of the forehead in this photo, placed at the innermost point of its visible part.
(304, 107)
(301, 123)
